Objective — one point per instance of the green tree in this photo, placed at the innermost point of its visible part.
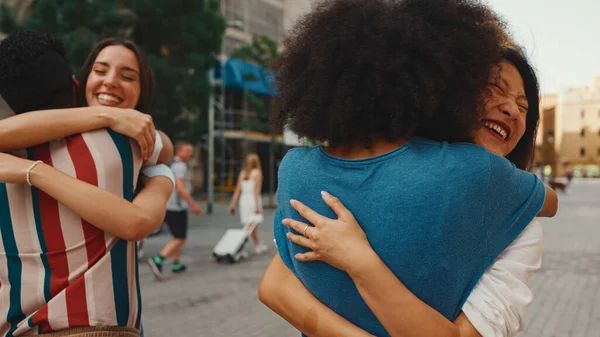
(181, 39)
(80, 24)
(7, 19)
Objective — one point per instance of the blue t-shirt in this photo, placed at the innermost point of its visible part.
(437, 214)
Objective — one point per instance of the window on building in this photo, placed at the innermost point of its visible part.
(582, 133)
(582, 152)
(582, 114)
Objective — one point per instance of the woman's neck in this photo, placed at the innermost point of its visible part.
(356, 150)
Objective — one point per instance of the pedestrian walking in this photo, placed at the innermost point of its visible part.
(248, 193)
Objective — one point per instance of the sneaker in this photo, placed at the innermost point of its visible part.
(156, 267)
(179, 268)
(261, 249)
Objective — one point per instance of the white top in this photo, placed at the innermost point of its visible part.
(247, 201)
(499, 302)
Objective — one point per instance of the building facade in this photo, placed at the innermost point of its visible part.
(570, 130)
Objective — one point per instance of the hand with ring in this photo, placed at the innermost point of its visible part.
(337, 242)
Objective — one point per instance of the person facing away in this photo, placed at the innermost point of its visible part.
(437, 213)
(57, 270)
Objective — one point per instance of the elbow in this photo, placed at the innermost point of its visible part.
(264, 292)
(140, 228)
(267, 290)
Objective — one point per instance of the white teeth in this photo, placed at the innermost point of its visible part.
(499, 129)
(109, 98)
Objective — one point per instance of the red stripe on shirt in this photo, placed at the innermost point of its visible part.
(53, 235)
(40, 319)
(85, 170)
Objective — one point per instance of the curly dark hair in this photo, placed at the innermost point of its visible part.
(353, 69)
(35, 73)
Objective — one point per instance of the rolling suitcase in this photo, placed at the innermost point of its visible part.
(230, 247)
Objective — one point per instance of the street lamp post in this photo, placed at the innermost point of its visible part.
(211, 141)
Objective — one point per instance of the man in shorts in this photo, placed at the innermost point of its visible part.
(179, 204)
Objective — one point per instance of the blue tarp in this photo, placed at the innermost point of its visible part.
(246, 76)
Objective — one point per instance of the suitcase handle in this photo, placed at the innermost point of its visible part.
(253, 225)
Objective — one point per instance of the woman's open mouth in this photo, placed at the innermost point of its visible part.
(108, 99)
(497, 129)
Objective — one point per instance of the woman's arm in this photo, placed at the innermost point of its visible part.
(283, 293)
(257, 190)
(550, 206)
(38, 127)
(236, 195)
(131, 221)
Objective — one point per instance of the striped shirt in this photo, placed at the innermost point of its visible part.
(57, 271)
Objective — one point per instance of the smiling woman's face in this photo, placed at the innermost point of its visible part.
(115, 79)
(505, 111)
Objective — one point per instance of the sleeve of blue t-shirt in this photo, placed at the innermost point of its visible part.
(285, 174)
(514, 199)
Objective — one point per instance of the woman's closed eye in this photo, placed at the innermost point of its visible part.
(497, 86)
(524, 108)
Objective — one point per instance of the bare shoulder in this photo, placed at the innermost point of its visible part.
(256, 173)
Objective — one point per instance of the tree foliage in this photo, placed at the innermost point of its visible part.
(181, 39)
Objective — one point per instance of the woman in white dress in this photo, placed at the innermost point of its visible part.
(248, 191)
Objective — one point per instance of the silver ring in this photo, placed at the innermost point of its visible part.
(305, 228)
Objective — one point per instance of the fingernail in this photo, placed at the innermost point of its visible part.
(289, 235)
(325, 194)
(292, 202)
(297, 256)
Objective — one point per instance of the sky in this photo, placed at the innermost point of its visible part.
(561, 37)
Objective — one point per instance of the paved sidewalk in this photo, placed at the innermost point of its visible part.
(220, 300)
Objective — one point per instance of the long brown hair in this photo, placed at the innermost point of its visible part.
(252, 162)
(147, 84)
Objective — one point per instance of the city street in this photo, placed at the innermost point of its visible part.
(213, 299)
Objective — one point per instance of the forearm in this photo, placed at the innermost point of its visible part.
(235, 197)
(186, 196)
(257, 197)
(400, 312)
(38, 127)
(283, 293)
(117, 216)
